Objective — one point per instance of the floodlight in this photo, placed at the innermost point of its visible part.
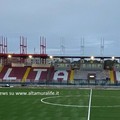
(51, 57)
(113, 58)
(30, 56)
(9, 56)
(92, 57)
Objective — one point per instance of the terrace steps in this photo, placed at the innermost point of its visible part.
(26, 74)
(112, 78)
(71, 76)
(1, 68)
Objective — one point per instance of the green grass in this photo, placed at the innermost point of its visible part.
(30, 107)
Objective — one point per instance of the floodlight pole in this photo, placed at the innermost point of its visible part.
(62, 46)
(82, 46)
(102, 47)
(23, 45)
(42, 48)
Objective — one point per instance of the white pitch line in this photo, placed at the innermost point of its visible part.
(80, 106)
(89, 107)
(58, 104)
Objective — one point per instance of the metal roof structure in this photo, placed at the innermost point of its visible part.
(56, 56)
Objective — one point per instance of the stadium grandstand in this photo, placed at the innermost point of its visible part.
(25, 68)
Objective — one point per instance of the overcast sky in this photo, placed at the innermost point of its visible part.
(62, 20)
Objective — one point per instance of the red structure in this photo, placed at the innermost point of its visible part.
(43, 49)
(33, 74)
(23, 45)
(3, 45)
(3, 49)
(42, 45)
(23, 48)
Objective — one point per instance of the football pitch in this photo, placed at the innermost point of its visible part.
(59, 104)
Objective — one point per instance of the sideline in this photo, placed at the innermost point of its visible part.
(89, 108)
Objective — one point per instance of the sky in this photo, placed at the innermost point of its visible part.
(63, 23)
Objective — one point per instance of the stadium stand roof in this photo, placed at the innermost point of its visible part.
(24, 55)
(56, 56)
